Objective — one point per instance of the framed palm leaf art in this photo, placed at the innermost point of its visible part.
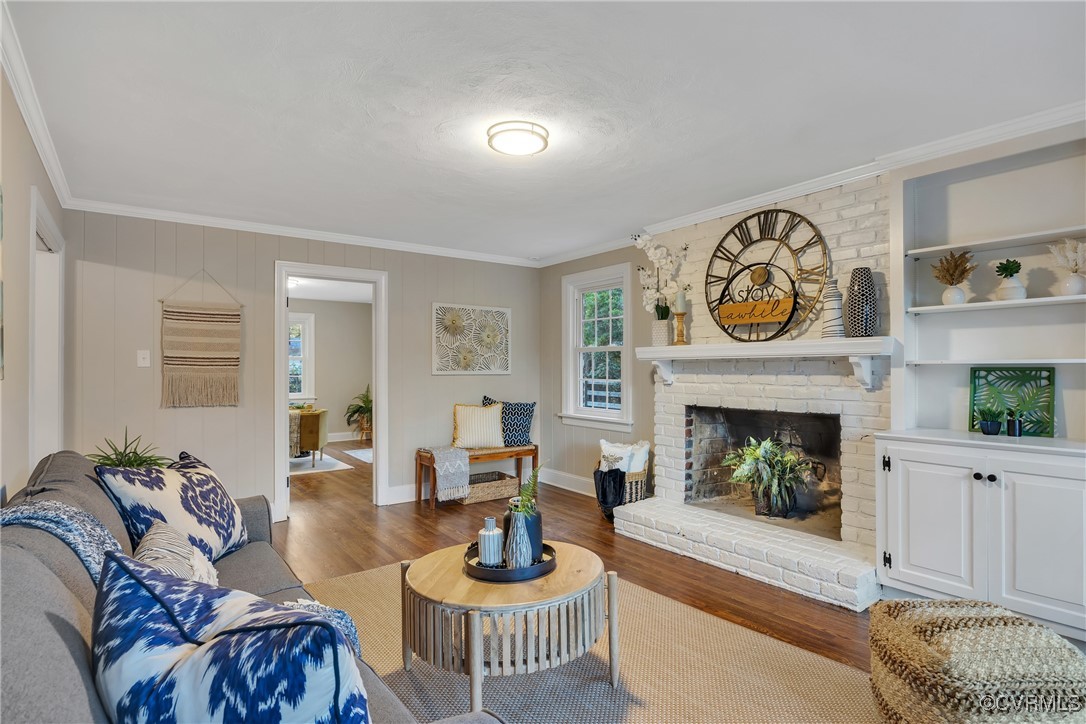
(1030, 391)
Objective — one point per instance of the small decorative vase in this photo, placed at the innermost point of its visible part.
(532, 521)
(833, 320)
(490, 543)
(1010, 288)
(1073, 284)
(990, 427)
(661, 332)
(518, 549)
(953, 295)
(863, 310)
(1014, 427)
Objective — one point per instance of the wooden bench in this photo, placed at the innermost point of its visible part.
(424, 462)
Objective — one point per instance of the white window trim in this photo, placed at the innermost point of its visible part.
(309, 372)
(572, 286)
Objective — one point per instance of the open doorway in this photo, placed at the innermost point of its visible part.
(330, 359)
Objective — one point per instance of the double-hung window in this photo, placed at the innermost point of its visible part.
(596, 349)
(300, 356)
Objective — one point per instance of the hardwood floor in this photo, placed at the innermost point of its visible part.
(335, 529)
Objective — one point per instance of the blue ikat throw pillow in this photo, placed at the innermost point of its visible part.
(186, 495)
(516, 421)
(165, 649)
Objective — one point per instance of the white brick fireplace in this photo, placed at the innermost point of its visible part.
(839, 572)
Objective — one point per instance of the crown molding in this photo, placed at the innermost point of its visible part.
(180, 217)
(11, 54)
(996, 133)
(585, 251)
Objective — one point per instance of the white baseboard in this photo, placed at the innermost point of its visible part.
(567, 481)
(342, 436)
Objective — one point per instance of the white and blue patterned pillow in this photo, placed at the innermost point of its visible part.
(186, 495)
(516, 421)
(166, 649)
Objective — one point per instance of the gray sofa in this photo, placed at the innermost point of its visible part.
(47, 603)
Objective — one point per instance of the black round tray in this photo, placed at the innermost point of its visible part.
(508, 575)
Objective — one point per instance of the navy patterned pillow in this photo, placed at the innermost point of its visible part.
(516, 421)
(186, 495)
(167, 649)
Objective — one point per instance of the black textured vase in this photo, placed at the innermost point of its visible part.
(533, 522)
(863, 309)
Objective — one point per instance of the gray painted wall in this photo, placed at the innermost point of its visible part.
(122, 266)
(344, 350)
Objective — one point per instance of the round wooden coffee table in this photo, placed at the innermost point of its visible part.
(461, 624)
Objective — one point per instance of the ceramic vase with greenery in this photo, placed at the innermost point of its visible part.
(1011, 286)
(1071, 255)
(360, 412)
(989, 420)
(1014, 423)
(128, 455)
(773, 472)
(952, 270)
(524, 507)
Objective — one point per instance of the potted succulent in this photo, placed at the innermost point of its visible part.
(1014, 423)
(360, 413)
(989, 420)
(1011, 287)
(773, 472)
(952, 270)
(128, 455)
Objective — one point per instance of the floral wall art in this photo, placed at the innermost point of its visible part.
(471, 340)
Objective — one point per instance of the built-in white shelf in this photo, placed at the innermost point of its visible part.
(861, 351)
(1010, 304)
(997, 362)
(1003, 242)
(1058, 445)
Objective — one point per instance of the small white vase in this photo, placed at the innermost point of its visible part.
(953, 295)
(833, 320)
(1073, 284)
(661, 332)
(1011, 288)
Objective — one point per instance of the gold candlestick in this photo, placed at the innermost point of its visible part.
(680, 328)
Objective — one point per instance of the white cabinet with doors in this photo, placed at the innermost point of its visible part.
(1000, 520)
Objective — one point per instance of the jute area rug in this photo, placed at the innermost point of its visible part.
(678, 664)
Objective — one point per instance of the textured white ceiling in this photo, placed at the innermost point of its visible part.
(370, 118)
(330, 290)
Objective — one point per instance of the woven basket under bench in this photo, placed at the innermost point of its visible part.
(490, 486)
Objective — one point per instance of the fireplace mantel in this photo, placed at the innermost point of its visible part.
(859, 350)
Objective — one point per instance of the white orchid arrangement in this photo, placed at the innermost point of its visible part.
(1070, 255)
(659, 284)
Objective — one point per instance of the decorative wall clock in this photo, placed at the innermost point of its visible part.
(766, 275)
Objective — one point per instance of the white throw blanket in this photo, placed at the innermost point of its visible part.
(451, 471)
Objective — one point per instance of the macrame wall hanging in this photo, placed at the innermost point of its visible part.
(201, 350)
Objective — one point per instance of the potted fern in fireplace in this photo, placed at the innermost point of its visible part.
(773, 472)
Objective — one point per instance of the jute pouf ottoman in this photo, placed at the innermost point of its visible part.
(969, 661)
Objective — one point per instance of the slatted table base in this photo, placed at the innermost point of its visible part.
(509, 641)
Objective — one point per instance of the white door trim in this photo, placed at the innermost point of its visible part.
(379, 279)
(42, 222)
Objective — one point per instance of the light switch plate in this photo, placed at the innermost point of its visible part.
(143, 358)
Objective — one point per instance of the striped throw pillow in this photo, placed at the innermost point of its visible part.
(167, 549)
(477, 426)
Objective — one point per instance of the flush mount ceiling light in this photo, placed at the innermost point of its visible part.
(517, 138)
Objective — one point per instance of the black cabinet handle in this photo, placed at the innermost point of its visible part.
(977, 476)
(991, 478)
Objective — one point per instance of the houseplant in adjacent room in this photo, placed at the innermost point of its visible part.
(773, 472)
(990, 420)
(1011, 286)
(360, 413)
(1071, 255)
(952, 270)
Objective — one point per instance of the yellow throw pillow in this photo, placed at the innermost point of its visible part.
(477, 426)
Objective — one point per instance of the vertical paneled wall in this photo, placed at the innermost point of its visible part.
(119, 267)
